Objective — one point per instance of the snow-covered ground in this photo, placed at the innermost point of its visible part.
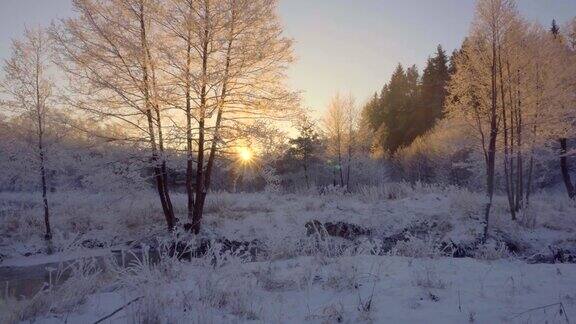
(296, 277)
(328, 290)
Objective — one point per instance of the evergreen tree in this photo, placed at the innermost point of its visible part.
(452, 65)
(372, 115)
(305, 148)
(410, 115)
(434, 80)
(393, 102)
(555, 30)
(409, 105)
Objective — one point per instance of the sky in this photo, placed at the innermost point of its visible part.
(347, 46)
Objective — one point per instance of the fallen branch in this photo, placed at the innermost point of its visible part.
(117, 310)
(562, 310)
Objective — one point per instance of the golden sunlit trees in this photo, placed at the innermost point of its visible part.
(180, 20)
(28, 88)
(474, 89)
(514, 84)
(340, 122)
(536, 83)
(335, 124)
(352, 120)
(550, 87)
(110, 53)
(243, 60)
(145, 62)
(563, 56)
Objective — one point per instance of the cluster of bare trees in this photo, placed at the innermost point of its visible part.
(341, 124)
(515, 85)
(185, 75)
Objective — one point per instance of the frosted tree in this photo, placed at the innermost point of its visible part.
(340, 123)
(28, 87)
(570, 31)
(561, 90)
(237, 73)
(189, 48)
(474, 89)
(352, 119)
(548, 82)
(109, 51)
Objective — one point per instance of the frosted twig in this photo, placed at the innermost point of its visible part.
(562, 310)
(117, 310)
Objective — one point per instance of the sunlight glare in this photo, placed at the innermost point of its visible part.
(245, 154)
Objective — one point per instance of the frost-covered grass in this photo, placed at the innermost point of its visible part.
(81, 219)
(58, 296)
(346, 289)
(299, 278)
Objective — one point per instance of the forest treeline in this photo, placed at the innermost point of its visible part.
(130, 94)
(409, 105)
(498, 115)
(506, 98)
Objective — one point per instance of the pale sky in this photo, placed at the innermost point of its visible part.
(341, 45)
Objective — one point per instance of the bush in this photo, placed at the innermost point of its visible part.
(492, 250)
(442, 155)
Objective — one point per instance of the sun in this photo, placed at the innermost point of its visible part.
(245, 154)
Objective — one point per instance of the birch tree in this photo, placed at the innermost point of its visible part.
(190, 46)
(109, 51)
(335, 124)
(352, 127)
(239, 78)
(28, 88)
(340, 122)
(562, 90)
(474, 89)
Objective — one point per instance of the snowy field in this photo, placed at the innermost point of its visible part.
(400, 270)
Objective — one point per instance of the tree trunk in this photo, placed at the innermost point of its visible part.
(508, 143)
(491, 156)
(305, 165)
(200, 190)
(189, 148)
(529, 183)
(164, 170)
(48, 235)
(157, 165)
(159, 179)
(340, 162)
(349, 165)
(534, 133)
(519, 182)
(519, 157)
(204, 176)
(156, 106)
(570, 188)
(189, 166)
(490, 180)
(39, 115)
(334, 176)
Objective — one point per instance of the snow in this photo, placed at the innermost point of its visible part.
(298, 278)
(315, 290)
(23, 261)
